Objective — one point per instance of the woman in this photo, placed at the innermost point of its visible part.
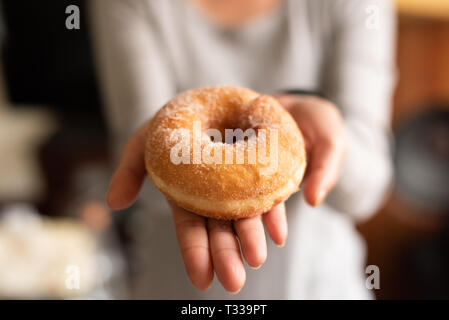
(149, 50)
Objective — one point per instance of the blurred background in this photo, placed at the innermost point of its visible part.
(58, 240)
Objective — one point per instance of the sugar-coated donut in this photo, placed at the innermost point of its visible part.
(233, 178)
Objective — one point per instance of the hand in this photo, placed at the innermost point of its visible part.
(210, 245)
(323, 129)
(207, 245)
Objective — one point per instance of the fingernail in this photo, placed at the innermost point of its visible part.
(107, 201)
(255, 268)
(280, 245)
(207, 288)
(320, 197)
(235, 292)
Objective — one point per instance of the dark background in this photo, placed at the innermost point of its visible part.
(44, 62)
(48, 65)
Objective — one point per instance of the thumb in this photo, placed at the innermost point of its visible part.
(130, 173)
(323, 172)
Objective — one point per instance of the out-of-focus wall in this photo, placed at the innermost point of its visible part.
(423, 83)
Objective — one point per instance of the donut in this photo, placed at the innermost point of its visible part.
(225, 152)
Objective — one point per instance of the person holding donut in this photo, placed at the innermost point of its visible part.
(329, 64)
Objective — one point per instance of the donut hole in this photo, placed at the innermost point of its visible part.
(229, 132)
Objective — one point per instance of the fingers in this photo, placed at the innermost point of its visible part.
(193, 242)
(275, 221)
(325, 161)
(129, 176)
(251, 234)
(227, 261)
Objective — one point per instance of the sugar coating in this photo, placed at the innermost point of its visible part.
(224, 107)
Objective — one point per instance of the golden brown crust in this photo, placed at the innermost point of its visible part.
(226, 191)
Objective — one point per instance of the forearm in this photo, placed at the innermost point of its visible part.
(133, 71)
(360, 77)
(366, 172)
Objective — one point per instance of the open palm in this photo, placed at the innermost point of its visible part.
(210, 245)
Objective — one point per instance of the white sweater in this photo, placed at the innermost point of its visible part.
(149, 50)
